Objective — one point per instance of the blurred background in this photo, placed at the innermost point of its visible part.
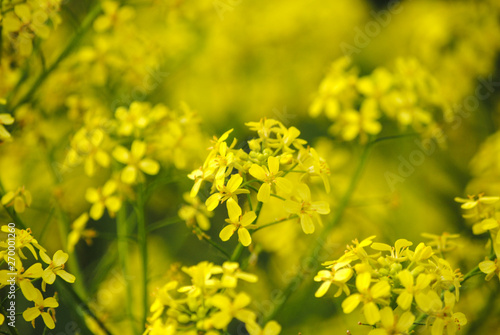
(235, 61)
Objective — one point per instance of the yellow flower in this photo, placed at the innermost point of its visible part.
(20, 199)
(195, 213)
(337, 276)
(231, 309)
(445, 318)
(270, 177)
(135, 117)
(79, 232)
(369, 296)
(271, 328)
(352, 123)
(307, 210)
(135, 162)
(40, 304)
(5, 119)
(412, 289)
(398, 252)
(231, 190)
(491, 268)
(114, 15)
(237, 222)
(23, 279)
(102, 198)
(231, 272)
(393, 324)
(88, 144)
(56, 267)
(24, 239)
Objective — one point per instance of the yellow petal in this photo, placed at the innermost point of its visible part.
(91, 195)
(60, 257)
(350, 303)
(244, 237)
(307, 223)
(66, 276)
(121, 154)
(31, 313)
(264, 193)
(284, 184)
(257, 172)
(233, 210)
(248, 218)
(226, 233)
(96, 211)
(149, 166)
(371, 313)
(404, 300)
(213, 201)
(363, 281)
(129, 174)
(47, 319)
(272, 328)
(323, 289)
(387, 317)
(234, 182)
(138, 149)
(274, 164)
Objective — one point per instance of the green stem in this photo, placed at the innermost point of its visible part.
(291, 217)
(467, 276)
(86, 24)
(207, 239)
(143, 249)
(314, 253)
(123, 255)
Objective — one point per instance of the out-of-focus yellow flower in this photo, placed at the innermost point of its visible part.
(195, 213)
(231, 309)
(102, 198)
(5, 119)
(237, 222)
(231, 272)
(135, 161)
(20, 199)
(40, 305)
(337, 276)
(271, 328)
(78, 231)
(490, 268)
(113, 16)
(307, 210)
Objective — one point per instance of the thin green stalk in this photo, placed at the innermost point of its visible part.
(143, 249)
(207, 239)
(123, 254)
(291, 217)
(163, 223)
(300, 276)
(86, 24)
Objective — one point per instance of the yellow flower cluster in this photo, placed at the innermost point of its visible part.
(12, 255)
(356, 105)
(275, 164)
(393, 283)
(484, 213)
(23, 21)
(207, 305)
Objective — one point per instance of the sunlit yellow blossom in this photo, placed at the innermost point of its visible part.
(24, 239)
(307, 210)
(40, 305)
(445, 318)
(413, 289)
(135, 161)
(237, 222)
(369, 296)
(393, 324)
(398, 252)
(270, 176)
(102, 198)
(336, 276)
(20, 199)
(231, 272)
(231, 190)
